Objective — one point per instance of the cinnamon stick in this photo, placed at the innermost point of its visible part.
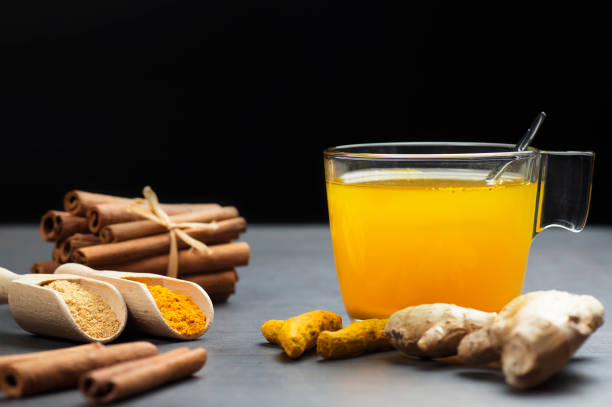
(219, 297)
(120, 232)
(78, 202)
(122, 252)
(218, 285)
(74, 242)
(104, 214)
(223, 257)
(102, 386)
(44, 267)
(7, 359)
(56, 254)
(57, 225)
(60, 371)
(222, 282)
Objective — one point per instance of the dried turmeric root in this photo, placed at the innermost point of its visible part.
(534, 335)
(298, 334)
(356, 339)
(433, 330)
(271, 329)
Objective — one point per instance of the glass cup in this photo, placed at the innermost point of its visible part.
(417, 223)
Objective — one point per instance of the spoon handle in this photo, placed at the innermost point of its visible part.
(520, 146)
(6, 276)
(531, 132)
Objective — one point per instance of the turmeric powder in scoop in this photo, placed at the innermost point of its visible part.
(179, 310)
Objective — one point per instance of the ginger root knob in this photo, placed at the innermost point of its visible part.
(433, 330)
(535, 335)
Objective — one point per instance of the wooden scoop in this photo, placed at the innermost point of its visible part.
(140, 302)
(42, 310)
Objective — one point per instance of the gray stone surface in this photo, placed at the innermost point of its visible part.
(291, 272)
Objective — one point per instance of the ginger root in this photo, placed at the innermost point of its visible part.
(298, 334)
(433, 330)
(356, 339)
(534, 335)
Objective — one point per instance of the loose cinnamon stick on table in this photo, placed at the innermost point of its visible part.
(223, 257)
(130, 250)
(117, 382)
(6, 359)
(78, 202)
(44, 267)
(219, 285)
(74, 242)
(120, 232)
(57, 225)
(104, 214)
(62, 370)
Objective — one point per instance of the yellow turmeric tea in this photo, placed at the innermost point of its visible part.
(406, 237)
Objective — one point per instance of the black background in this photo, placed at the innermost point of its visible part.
(234, 102)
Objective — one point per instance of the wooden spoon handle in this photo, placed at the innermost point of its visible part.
(78, 269)
(6, 276)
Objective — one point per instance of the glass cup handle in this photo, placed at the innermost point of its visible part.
(564, 190)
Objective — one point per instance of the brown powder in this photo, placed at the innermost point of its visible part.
(88, 309)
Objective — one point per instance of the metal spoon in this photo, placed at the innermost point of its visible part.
(520, 146)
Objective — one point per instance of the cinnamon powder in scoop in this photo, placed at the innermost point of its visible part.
(88, 309)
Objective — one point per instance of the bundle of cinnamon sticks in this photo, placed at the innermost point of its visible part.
(99, 231)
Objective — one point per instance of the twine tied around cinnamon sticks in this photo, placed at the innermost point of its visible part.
(156, 214)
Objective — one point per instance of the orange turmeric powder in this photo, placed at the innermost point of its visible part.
(180, 312)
